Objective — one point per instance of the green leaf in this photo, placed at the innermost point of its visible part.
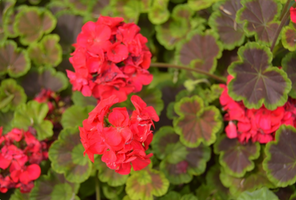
(193, 52)
(288, 36)
(223, 22)
(13, 60)
(46, 77)
(11, 95)
(146, 183)
(255, 81)
(80, 100)
(32, 22)
(289, 66)
(112, 192)
(236, 158)
(47, 52)
(171, 195)
(87, 187)
(5, 7)
(183, 162)
(189, 197)
(17, 195)
(158, 13)
(52, 187)
(32, 114)
(80, 113)
(6, 121)
(66, 155)
(260, 17)
(8, 19)
(196, 123)
(128, 9)
(170, 33)
(108, 175)
(200, 4)
(280, 161)
(251, 181)
(261, 194)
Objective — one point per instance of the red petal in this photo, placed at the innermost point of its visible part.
(139, 164)
(293, 14)
(117, 53)
(124, 169)
(231, 130)
(32, 173)
(119, 117)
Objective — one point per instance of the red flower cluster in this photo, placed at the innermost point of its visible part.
(110, 58)
(256, 124)
(20, 156)
(293, 14)
(122, 137)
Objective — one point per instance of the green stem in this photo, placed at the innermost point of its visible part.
(282, 24)
(98, 195)
(166, 65)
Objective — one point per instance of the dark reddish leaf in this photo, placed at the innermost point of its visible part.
(224, 23)
(255, 81)
(201, 51)
(281, 157)
(289, 37)
(259, 17)
(236, 158)
(289, 65)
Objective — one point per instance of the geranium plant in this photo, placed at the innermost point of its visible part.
(147, 99)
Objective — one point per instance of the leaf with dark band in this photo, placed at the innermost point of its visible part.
(289, 66)
(31, 23)
(158, 12)
(260, 18)
(47, 52)
(66, 155)
(53, 186)
(255, 81)
(13, 60)
(236, 158)
(200, 4)
(224, 23)
(196, 123)
(280, 161)
(289, 37)
(146, 183)
(201, 51)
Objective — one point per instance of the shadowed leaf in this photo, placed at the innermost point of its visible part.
(66, 155)
(224, 23)
(52, 187)
(196, 123)
(32, 114)
(280, 161)
(146, 183)
(45, 77)
(171, 195)
(201, 51)
(249, 182)
(13, 60)
(31, 23)
(260, 18)
(6, 121)
(8, 20)
(11, 95)
(289, 66)
(236, 158)
(5, 7)
(17, 195)
(262, 193)
(128, 9)
(80, 100)
(47, 52)
(255, 81)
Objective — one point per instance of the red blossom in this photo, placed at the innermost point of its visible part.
(254, 124)
(119, 137)
(20, 154)
(110, 58)
(293, 14)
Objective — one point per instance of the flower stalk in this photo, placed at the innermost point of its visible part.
(98, 194)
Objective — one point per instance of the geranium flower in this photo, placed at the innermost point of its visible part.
(120, 138)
